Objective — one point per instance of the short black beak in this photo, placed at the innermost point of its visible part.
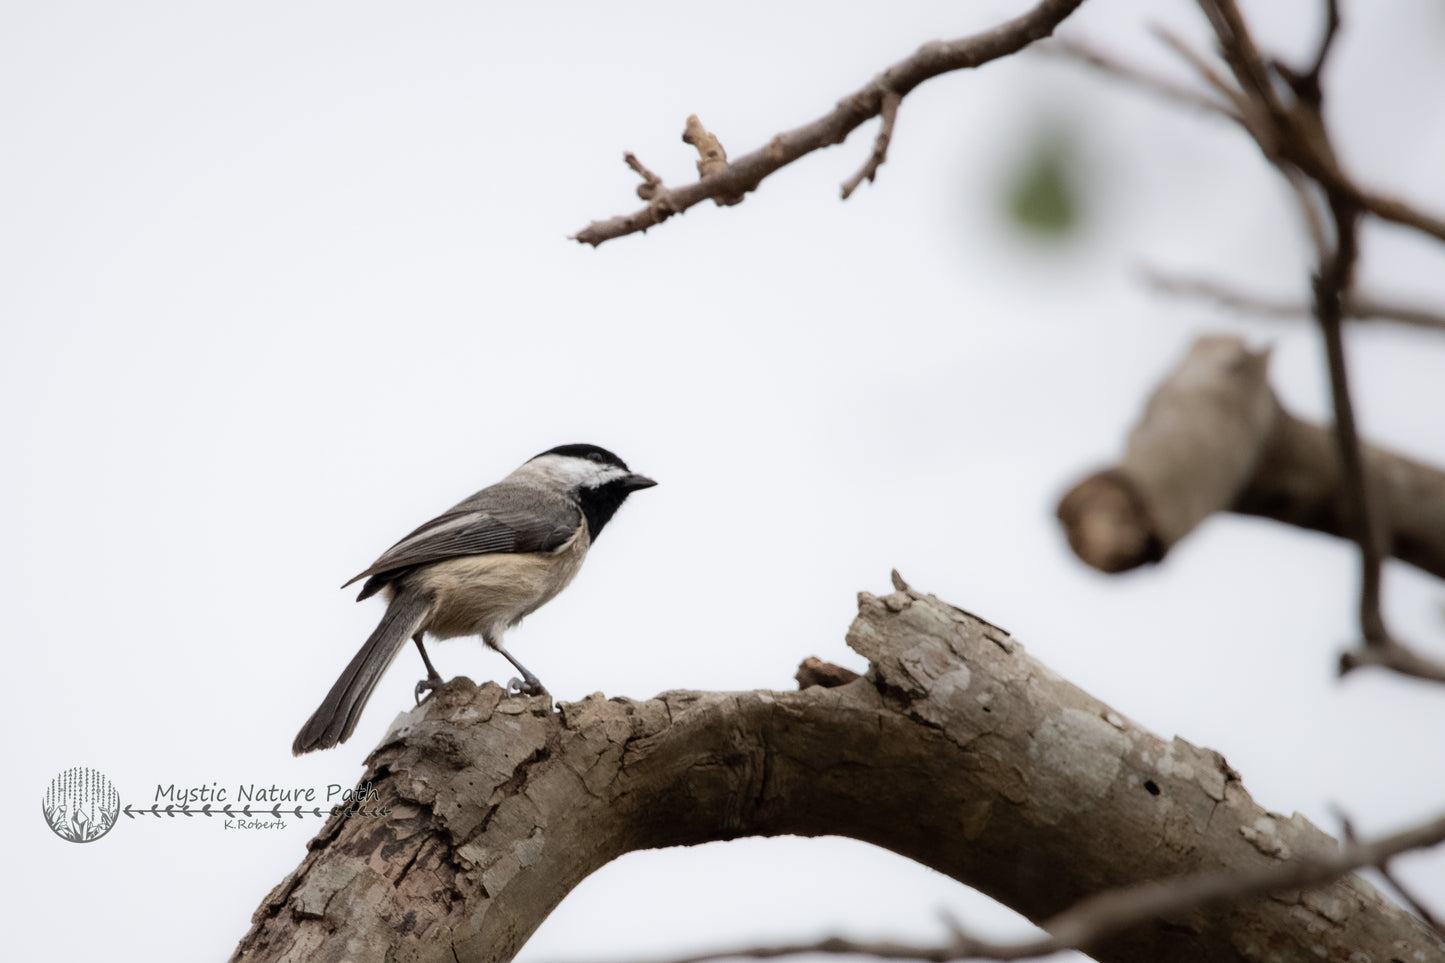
(636, 482)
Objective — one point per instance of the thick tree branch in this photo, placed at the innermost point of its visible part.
(959, 751)
(880, 97)
(1118, 519)
(1190, 455)
(1213, 437)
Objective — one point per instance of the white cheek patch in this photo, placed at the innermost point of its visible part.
(563, 472)
(606, 474)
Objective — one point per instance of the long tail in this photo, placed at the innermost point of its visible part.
(334, 721)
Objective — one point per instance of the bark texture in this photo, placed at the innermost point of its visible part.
(958, 750)
(1214, 438)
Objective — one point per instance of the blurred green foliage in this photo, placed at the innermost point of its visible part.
(1042, 191)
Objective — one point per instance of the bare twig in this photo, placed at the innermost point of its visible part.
(748, 171)
(1306, 86)
(1266, 119)
(1403, 891)
(1395, 657)
(1330, 285)
(651, 183)
(1162, 86)
(889, 114)
(1287, 123)
(1309, 210)
(1240, 53)
(1363, 308)
(1293, 137)
(1294, 134)
(1332, 30)
(1109, 914)
(1206, 72)
(1396, 211)
(1357, 307)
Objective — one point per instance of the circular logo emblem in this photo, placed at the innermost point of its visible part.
(81, 805)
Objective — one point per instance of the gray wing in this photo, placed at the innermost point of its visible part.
(499, 519)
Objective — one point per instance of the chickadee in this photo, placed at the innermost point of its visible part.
(479, 569)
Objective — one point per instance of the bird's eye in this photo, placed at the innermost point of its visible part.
(595, 456)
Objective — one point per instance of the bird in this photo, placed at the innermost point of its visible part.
(479, 568)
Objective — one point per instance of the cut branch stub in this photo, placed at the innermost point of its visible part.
(1108, 524)
(1214, 438)
(1189, 456)
(814, 671)
(959, 751)
(712, 159)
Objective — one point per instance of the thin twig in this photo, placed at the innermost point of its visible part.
(1309, 210)
(748, 171)
(1398, 658)
(1109, 914)
(1256, 119)
(1434, 922)
(1306, 86)
(1363, 308)
(1358, 307)
(1396, 211)
(889, 113)
(1331, 284)
(1293, 137)
(1206, 72)
(651, 183)
(1331, 287)
(1162, 86)
(1239, 51)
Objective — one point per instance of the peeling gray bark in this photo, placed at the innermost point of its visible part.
(1214, 438)
(959, 751)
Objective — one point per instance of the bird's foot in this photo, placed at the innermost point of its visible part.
(430, 684)
(531, 686)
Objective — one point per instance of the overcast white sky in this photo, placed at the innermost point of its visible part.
(284, 280)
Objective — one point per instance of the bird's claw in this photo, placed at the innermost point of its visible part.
(430, 684)
(527, 687)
